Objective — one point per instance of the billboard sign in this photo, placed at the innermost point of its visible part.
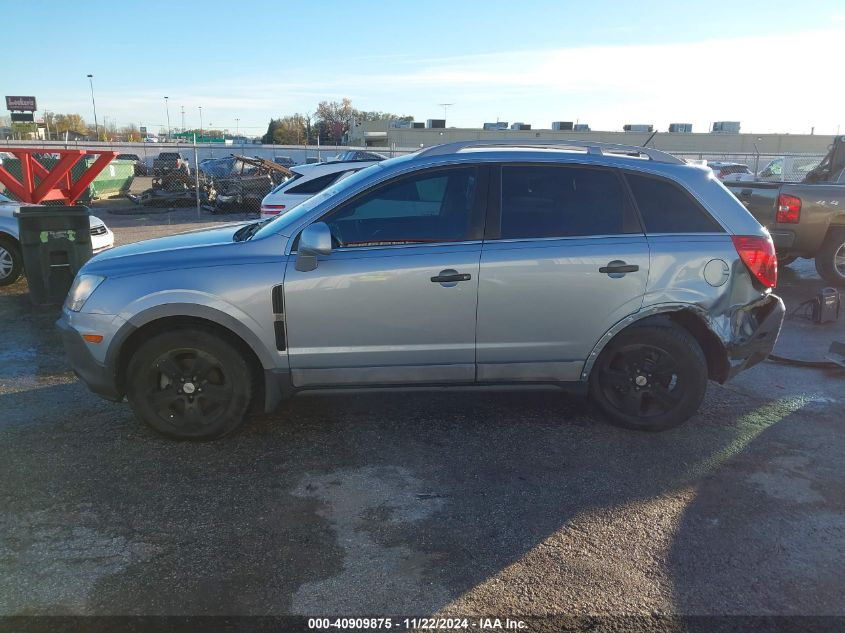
(143, 129)
(23, 104)
(22, 117)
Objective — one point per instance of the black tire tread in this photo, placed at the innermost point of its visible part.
(824, 258)
(17, 260)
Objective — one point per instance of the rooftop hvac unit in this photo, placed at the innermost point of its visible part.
(499, 125)
(401, 125)
(418, 125)
(581, 127)
(435, 123)
(638, 127)
(682, 128)
(726, 127)
(521, 126)
(562, 126)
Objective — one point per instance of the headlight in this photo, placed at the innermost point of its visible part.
(82, 288)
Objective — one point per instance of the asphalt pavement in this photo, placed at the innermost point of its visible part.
(425, 502)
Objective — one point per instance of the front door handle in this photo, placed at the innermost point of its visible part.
(450, 276)
(618, 267)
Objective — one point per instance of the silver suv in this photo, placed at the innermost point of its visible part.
(618, 271)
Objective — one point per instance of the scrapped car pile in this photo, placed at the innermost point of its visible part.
(231, 183)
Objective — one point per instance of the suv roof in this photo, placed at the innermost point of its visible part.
(581, 147)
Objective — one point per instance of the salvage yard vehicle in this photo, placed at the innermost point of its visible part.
(613, 270)
(730, 172)
(805, 219)
(167, 162)
(11, 258)
(307, 180)
(787, 168)
(139, 165)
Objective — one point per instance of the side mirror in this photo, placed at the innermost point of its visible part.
(315, 239)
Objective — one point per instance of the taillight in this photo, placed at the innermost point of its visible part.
(758, 254)
(272, 209)
(789, 209)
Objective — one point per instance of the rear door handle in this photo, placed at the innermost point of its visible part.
(617, 267)
(450, 276)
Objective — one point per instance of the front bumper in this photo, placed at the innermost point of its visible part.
(755, 328)
(98, 377)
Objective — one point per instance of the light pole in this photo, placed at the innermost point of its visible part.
(237, 126)
(94, 103)
(445, 107)
(167, 109)
(183, 119)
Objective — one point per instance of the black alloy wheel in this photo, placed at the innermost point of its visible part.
(650, 377)
(189, 384)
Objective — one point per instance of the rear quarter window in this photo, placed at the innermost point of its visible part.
(666, 207)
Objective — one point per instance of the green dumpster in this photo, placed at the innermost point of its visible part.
(55, 243)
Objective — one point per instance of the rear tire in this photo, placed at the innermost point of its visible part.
(11, 262)
(830, 260)
(189, 384)
(650, 377)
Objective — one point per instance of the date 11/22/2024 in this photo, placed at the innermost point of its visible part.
(416, 624)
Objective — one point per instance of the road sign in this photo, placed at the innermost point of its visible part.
(22, 104)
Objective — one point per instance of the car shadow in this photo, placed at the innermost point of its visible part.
(353, 503)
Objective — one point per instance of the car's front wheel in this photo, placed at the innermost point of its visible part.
(189, 384)
(650, 377)
(830, 260)
(11, 262)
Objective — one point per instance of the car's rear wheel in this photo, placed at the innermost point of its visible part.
(830, 260)
(11, 262)
(650, 377)
(189, 384)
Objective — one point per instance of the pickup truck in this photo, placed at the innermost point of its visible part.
(805, 219)
(168, 162)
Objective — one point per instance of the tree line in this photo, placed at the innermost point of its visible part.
(329, 123)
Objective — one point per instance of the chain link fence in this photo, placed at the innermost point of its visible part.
(172, 187)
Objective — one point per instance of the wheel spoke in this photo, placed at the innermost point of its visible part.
(662, 395)
(193, 414)
(161, 398)
(169, 368)
(217, 394)
(200, 367)
(632, 403)
(614, 378)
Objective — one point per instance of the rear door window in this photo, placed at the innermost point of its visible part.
(667, 208)
(541, 201)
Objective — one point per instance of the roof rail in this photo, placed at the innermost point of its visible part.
(592, 147)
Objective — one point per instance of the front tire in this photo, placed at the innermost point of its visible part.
(830, 260)
(11, 262)
(650, 377)
(189, 384)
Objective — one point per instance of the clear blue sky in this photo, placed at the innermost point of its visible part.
(603, 63)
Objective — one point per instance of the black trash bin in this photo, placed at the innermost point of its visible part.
(55, 243)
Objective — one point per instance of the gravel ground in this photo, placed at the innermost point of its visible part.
(502, 502)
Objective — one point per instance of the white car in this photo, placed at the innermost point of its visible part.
(307, 181)
(731, 172)
(11, 260)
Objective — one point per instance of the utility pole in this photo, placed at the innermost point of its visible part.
(94, 103)
(167, 109)
(183, 119)
(237, 126)
(200, 124)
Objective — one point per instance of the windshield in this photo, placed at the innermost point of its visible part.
(279, 223)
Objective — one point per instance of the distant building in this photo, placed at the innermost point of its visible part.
(680, 128)
(726, 127)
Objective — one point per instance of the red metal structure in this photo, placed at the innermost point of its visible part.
(39, 183)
